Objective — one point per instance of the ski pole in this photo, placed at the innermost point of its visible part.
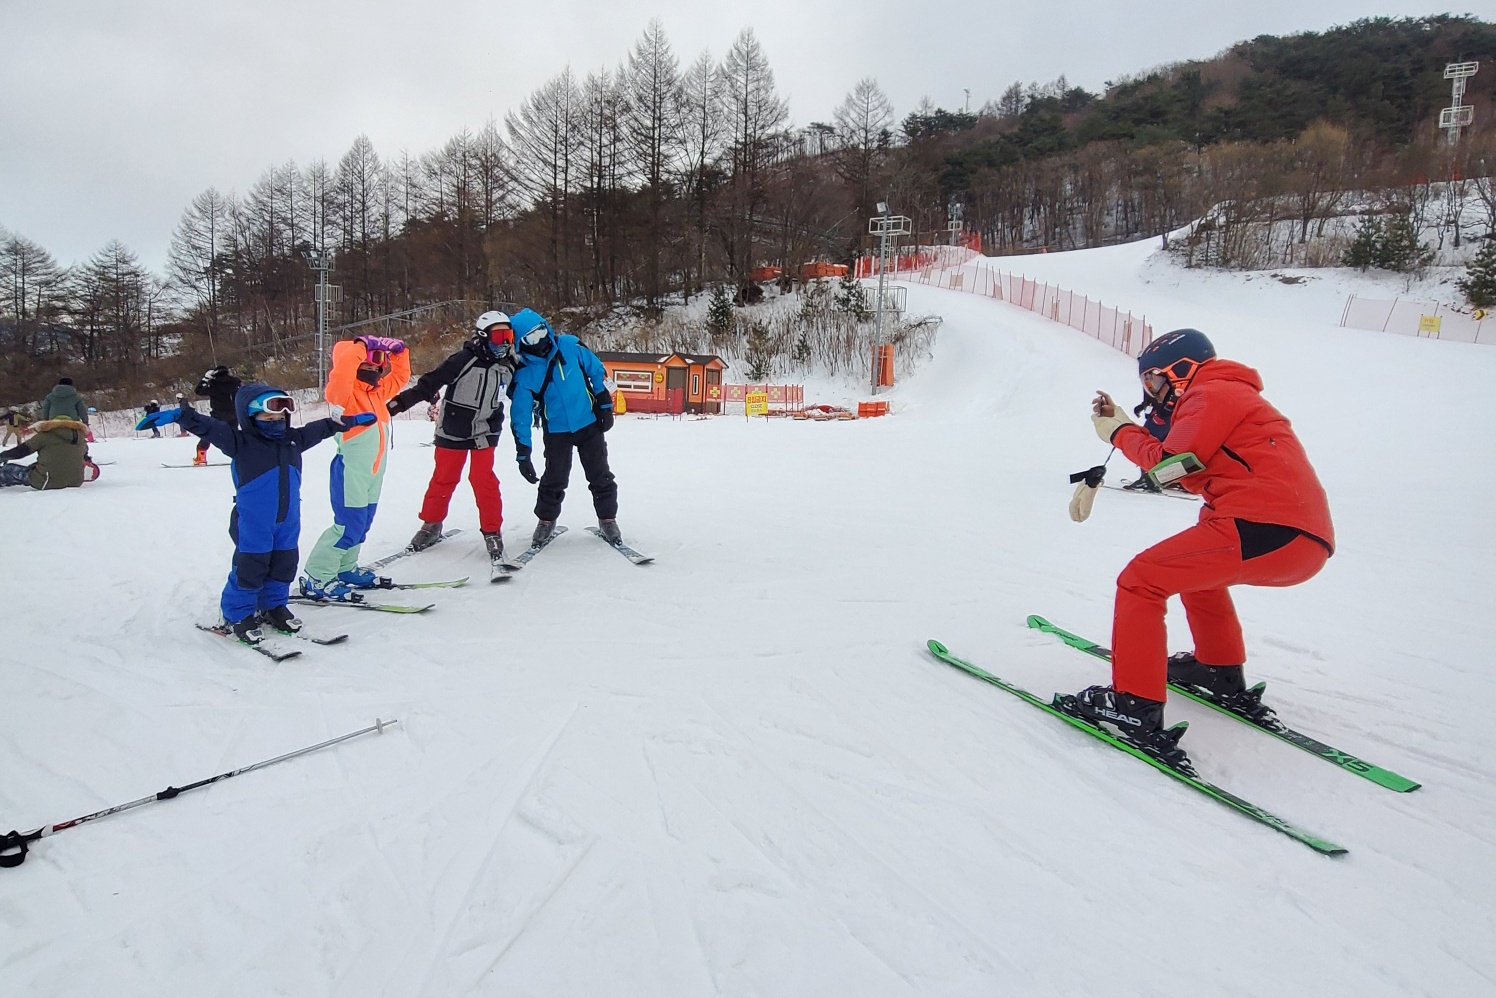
(14, 844)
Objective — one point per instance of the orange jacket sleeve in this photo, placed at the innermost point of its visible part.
(352, 395)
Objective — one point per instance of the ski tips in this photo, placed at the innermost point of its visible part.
(937, 647)
(1036, 621)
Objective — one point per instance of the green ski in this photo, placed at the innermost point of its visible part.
(1376, 774)
(1247, 808)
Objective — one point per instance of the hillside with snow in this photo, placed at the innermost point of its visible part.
(737, 771)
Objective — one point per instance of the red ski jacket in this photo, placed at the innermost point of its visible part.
(1255, 468)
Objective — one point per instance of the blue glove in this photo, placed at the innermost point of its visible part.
(526, 468)
(162, 418)
(361, 419)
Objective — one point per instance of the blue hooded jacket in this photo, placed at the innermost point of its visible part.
(267, 472)
(566, 405)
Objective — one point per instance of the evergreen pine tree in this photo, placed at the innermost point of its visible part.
(719, 312)
(851, 298)
(1364, 251)
(1400, 248)
(1479, 283)
(801, 352)
(759, 353)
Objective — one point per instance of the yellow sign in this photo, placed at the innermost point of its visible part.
(1429, 324)
(659, 376)
(1480, 314)
(756, 403)
(620, 405)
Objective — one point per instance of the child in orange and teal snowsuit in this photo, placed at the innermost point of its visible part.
(366, 373)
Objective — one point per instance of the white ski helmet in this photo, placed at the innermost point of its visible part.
(481, 324)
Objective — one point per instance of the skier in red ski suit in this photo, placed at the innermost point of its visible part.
(1265, 522)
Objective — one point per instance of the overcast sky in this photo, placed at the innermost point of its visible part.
(115, 113)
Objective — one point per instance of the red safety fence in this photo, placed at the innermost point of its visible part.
(783, 397)
(959, 269)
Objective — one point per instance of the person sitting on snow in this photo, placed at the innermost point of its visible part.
(61, 449)
(266, 520)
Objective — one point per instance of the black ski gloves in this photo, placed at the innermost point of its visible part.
(602, 409)
(526, 468)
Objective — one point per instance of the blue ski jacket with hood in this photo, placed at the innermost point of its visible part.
(266, 470)
(566, 400)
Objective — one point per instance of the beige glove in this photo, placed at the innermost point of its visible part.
(1081, 502)
(1106, 417)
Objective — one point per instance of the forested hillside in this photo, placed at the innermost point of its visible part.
(660, 178)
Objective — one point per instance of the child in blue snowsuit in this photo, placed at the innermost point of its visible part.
(266, 520)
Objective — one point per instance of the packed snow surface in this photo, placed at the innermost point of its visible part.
(737, 771)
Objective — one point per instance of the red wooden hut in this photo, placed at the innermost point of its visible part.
(673, 382)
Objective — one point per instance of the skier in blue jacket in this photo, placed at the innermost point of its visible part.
(566, 383)
(266, 520)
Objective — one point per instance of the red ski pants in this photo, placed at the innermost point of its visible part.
(1197, 565)
(449, 461)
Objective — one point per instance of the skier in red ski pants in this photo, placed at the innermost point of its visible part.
(1265, 522)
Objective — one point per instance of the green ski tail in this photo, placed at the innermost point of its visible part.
(1376, 774)
(1323, 846)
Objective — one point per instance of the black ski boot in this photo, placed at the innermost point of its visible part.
(1143, 484)
(1215, 680)
(610, 531)
(543, 531)
(428, 535)
(495, 545)
(1137, 720)
(1225, 686)
(248, 630)
(281, 618)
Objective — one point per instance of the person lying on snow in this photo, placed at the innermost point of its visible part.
(61, 449)
(1265, 522)
(266, 519)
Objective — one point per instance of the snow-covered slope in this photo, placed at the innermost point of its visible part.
(737, 771)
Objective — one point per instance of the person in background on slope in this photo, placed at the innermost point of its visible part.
(61, 449)
(266, 520)
(221, 388)
(567, 383)
(64, 402)
(1265, 522)
(366, 373)
(151, 408)
(469, 421)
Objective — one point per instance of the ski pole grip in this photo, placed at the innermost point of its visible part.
(13, 846)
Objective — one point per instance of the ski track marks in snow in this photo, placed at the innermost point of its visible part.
(740, 772)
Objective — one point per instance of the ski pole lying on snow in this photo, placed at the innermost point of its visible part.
(13, 845)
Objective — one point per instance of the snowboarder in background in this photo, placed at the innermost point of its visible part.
(64, 402)
(366, 373)
(61, 449)
(220, 387)
(266, 520)
(1265, 522)
(151, 408)
(565, 382)
(469, 420)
